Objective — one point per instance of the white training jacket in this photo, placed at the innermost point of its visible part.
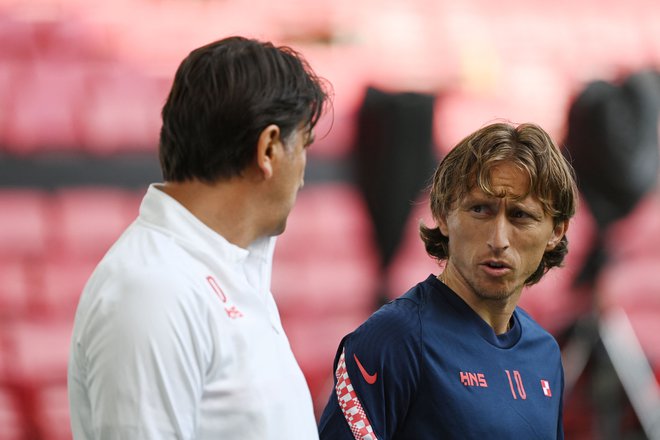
(177, 336)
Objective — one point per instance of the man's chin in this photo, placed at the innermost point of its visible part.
(494, 293)
(279, 230)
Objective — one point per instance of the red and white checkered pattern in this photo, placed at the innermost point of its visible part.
(546, 388)
(350, 404)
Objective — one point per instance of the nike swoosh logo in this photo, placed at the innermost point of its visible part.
(370, 378)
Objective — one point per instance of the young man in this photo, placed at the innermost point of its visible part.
(454, 358)
(177, 335)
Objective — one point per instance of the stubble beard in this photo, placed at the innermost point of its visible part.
(491, 294)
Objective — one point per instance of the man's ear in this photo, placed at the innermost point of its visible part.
(441, 220)
(557, 233)
(267, 144)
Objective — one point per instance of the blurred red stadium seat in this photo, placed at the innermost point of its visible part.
(631, 284)
(37, 352)
(459, 112)
(35, 356)
(325, 261)
(122, 111)
(68, 38)
(611, 41)
(24, 222)
(317, 286)
(332, 217)
(51, 413)
(12, 425)
(87, 220)
(15, 289)
(18, 40)
(345, 69)
(63, 280)
(44, 115)
(10, 72)
(411, 264)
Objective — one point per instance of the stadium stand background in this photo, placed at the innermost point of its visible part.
(81, 87)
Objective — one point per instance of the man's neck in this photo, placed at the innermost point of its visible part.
(495, 312)
(225, 207)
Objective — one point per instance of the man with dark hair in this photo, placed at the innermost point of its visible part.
(177, 335)
(455, 357)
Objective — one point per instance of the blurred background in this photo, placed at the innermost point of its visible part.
(82, 83)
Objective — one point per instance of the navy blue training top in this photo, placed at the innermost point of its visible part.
(426, 366)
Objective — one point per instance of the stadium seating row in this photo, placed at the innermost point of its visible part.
(92, 82)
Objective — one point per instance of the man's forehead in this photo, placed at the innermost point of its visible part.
(497, 192)
(501, 180)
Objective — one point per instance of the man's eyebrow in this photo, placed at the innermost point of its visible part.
(486, 198)
(471, 197)
(530, 206)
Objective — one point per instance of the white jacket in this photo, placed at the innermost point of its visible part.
(177, 336)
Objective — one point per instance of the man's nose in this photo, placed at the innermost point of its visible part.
(498, 239)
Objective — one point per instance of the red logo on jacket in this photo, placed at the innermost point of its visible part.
(230, 309)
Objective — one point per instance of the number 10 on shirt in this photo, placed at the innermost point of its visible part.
(519, 384)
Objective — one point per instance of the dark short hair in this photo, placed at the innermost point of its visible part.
(527, 146)
(224, 94)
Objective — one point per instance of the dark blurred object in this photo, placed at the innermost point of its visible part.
(394, 160)
(612, 141)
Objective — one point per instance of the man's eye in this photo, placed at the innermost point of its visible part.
(477, 208)
(520, 214)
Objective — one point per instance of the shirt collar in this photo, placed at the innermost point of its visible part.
(505, 340)
(164, 212)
